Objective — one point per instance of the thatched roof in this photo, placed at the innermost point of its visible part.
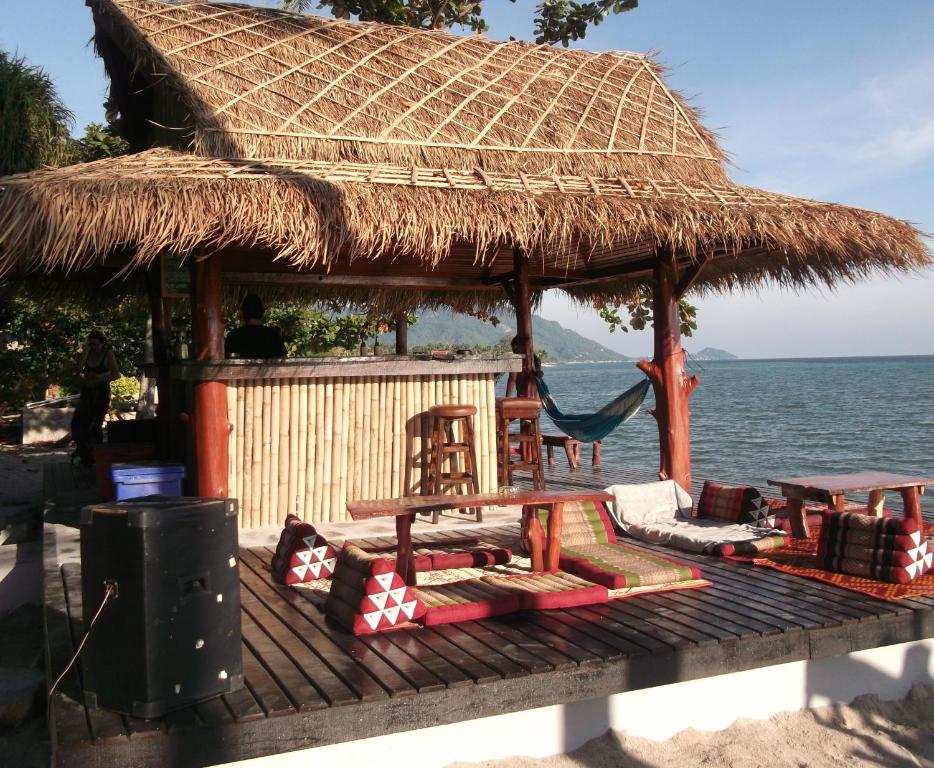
(254, 82)
(321, 216)
(333, 148)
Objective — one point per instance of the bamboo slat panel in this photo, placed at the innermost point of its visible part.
(310, 445)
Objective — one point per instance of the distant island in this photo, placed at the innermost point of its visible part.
(451, 330)
(708, 354)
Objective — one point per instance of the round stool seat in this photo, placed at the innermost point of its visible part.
(453, 411)
(519, 407)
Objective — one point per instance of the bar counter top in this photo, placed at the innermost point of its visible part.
(330, 367)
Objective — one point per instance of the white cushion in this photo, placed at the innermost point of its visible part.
(647, 503)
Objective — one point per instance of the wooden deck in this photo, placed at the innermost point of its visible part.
(309, 684)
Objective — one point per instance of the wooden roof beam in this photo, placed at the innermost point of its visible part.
(293, 279)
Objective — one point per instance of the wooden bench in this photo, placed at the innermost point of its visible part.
(572, 447)
(405, 508)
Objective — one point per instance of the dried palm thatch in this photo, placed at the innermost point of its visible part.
(332, 217)
(325, 145)
(250, 82)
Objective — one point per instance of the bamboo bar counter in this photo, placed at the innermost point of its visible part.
(307, 435)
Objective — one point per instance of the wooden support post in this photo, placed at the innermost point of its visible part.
(555, 524)
(402, 332)
(209, 420)
(521, 297)
(405, 564)
(161, 351)
(670, 382)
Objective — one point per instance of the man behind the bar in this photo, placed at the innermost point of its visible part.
(253, 340)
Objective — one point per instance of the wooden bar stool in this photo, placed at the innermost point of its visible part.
(445, 447)
(527, 411)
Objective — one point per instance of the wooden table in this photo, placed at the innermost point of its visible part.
(405, 508)
(833, 488)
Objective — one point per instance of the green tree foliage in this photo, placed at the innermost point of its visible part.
(41, 337)
(640, 314)
(309, 330)
(98, 143)
(561, 21)
(34, 123)
(556, 21)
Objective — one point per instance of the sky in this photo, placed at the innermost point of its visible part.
(831, 100)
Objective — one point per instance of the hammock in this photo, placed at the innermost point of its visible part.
(590, 427)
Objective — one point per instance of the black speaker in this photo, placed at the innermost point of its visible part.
(171, 634)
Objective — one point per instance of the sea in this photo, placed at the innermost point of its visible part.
(756, 419)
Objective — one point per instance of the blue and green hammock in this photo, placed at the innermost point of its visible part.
(590, 427)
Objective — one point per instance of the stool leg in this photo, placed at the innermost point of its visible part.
(437, 441)
(424, 442)
(504, 455)
(471, 463)
(538, 474)
(570, 448)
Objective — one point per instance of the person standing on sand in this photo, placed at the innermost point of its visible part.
(253, 340)
(98, 368)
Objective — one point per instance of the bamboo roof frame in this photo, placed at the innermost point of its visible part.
(403, 145)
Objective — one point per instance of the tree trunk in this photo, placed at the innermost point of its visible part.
(670, 382)
(209, 420)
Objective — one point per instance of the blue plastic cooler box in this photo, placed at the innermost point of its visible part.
(145, 478)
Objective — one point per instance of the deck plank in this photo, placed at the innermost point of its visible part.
(479, 643)
(288, 676)
(365, 672)
(268, 694)
(308, 682)
(531, 653)
(333, 673)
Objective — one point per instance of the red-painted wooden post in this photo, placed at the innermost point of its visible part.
(670, 381)
(209, 419)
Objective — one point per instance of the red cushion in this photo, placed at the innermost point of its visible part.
(466, 601)
(475, 557)
(299, 536)
(545, 591)
(312, 562)
(368, 596)
(887, 549)
(727, 502)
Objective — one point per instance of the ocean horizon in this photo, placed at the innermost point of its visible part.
(755, 419)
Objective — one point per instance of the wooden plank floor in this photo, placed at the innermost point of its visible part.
(310, 684)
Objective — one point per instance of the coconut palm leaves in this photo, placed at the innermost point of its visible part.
(34, 122)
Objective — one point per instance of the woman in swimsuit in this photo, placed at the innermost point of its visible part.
(98, 369)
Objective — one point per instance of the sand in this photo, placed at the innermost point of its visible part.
(867, 732)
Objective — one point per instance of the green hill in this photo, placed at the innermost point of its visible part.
(449, 329)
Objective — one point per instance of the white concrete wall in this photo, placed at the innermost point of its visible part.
(710, 704)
